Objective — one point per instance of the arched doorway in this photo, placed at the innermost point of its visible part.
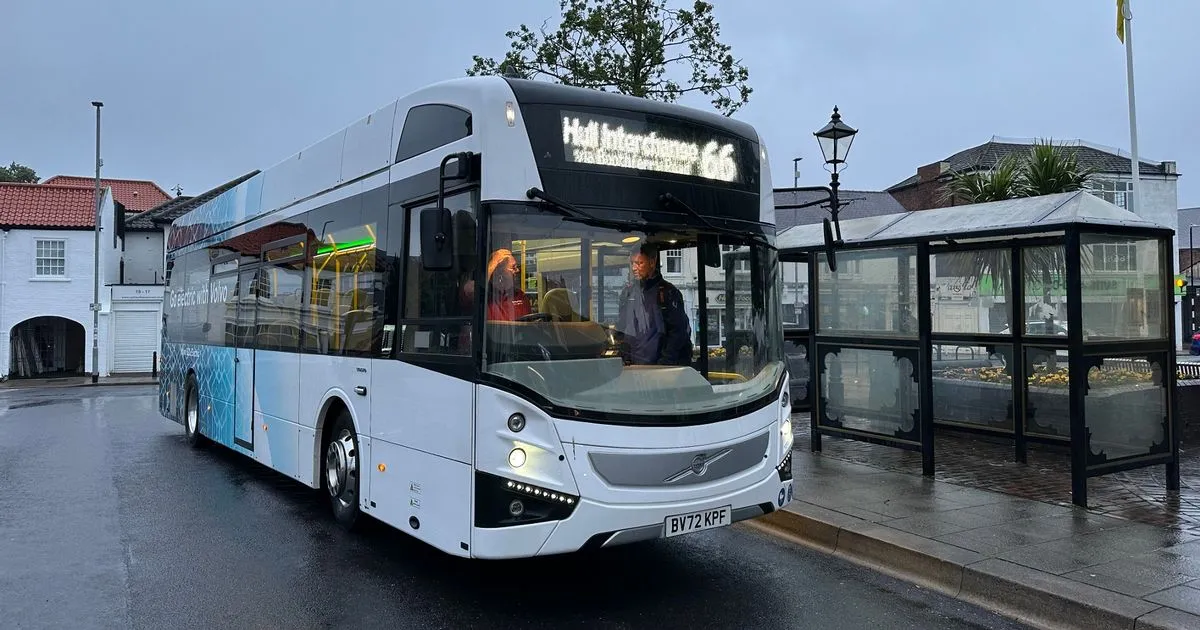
(45, 347)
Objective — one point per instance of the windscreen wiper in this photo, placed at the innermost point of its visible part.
(669, 199)
(568, 210)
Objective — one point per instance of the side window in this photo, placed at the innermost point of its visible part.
(244, 332)
(195, 297)
(345, 310)
(280, 289)
(447, 296)
(222, 304)
(427, 127)
(173, 298)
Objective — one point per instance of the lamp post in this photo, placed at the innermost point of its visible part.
(835, 139)
(1191, 254)
(96, 259)
(831, 138)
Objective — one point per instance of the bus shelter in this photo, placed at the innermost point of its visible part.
(1044, 319)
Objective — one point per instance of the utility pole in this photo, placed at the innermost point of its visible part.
(796, 172)
(96, 260)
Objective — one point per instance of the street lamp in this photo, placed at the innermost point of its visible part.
(831, 138)
(835, 139)
(96, 259)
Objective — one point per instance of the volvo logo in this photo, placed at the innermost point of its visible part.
(699, 465)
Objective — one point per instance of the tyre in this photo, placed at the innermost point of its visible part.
(342, 468)
(191, 414)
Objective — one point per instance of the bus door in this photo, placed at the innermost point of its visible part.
(243, 363)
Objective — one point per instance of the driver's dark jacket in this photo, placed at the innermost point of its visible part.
(654, 334)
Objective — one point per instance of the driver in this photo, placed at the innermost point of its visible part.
(505, 301)
(652, 316)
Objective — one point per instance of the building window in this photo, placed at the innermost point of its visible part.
(51, 258)
(1114, 192)
(1114, 257)
(673, 261)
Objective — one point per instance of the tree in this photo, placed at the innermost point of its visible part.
(628, 46)
(18, 173)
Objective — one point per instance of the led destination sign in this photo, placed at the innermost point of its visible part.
(623, 143)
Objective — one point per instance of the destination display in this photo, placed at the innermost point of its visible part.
(625, 143)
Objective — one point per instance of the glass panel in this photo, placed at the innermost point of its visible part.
(795, 294)
(873, 292)
(797, 361)
(871, 390)
(969, 291)
(973, 385)
(1126, 409)
(427, 127)
(449, 293)
(1048, 386)
(1122, 288)
(1045, 291)
(592, 303)
(280, 293)
(345, 280)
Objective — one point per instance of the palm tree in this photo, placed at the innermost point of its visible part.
(1046, 170)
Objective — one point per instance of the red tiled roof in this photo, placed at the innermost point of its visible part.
(41, 205)
(137, 195)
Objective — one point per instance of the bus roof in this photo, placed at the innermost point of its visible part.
(369, 146)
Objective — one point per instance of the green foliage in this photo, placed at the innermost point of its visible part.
(628, 46)
(1050, 170)
(18, 173)
(1002, 182)
(1047, 169)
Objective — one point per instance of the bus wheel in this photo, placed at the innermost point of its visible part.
(191, 414)
(342, 471)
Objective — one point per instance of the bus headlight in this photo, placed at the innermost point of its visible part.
(516, 457)
(785, 437)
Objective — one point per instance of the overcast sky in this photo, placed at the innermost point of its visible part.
(197, 93)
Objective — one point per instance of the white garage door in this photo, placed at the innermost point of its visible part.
(136, 340)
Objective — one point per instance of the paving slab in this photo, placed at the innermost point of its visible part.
(1045, 564)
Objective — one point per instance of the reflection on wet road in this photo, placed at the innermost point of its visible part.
(108, 519)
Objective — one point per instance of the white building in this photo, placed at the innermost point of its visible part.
(48, 284)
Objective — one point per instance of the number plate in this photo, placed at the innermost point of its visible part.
(711, 518)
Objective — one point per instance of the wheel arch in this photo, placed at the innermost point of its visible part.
(332, 404)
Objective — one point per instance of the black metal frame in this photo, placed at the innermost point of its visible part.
(1083, 355)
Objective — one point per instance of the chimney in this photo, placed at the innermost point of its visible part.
(1168, 167)
(930, 172)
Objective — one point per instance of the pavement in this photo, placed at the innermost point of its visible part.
(1005, 536)
(78, 381)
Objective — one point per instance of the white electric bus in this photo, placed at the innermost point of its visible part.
(433, 316)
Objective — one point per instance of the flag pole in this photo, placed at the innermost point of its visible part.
(1127, 21)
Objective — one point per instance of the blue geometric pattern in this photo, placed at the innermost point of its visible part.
(214, 368)
(232, 207)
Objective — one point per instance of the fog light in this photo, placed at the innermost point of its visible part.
(516, 508)
(516, 458)
(516, 422)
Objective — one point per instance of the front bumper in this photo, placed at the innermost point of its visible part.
(595, 525)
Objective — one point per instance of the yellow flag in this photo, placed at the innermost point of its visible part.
(1121, 20)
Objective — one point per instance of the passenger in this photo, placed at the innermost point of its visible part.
(506, 301)
(651, 315)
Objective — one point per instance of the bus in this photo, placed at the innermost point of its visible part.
(428, 317)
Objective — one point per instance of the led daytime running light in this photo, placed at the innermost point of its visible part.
(540, 493)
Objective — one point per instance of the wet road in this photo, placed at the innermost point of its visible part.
(108, 520)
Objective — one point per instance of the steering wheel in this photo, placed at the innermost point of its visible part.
(535, 317)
